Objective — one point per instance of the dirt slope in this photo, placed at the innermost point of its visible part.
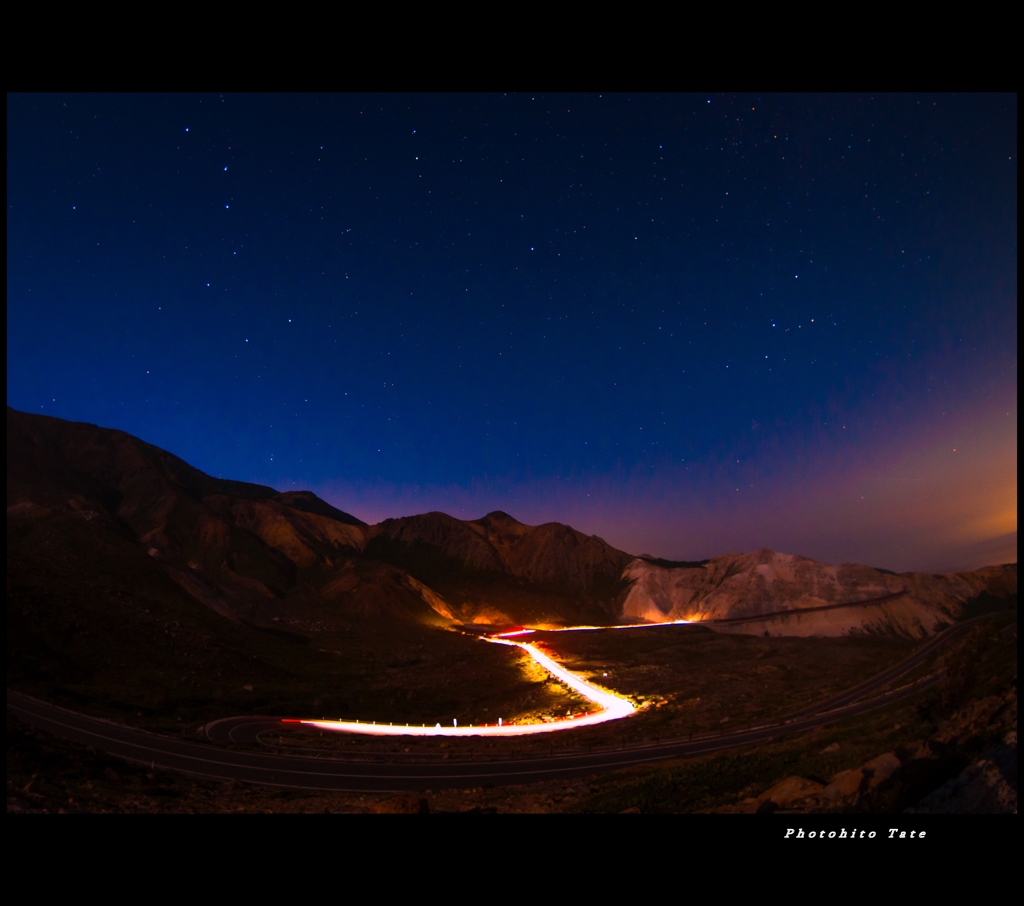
(98, 499)
(497, 570)
(237, 548)
(783, 594)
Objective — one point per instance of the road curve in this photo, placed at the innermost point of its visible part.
(323, 773)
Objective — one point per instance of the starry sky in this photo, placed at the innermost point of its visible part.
(690, 324)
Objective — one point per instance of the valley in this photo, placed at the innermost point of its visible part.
(144, 592)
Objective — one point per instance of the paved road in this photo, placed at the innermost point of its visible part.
(323, 773)
(760, 618)
(904, 667)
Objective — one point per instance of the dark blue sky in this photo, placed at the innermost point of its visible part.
(616, 311)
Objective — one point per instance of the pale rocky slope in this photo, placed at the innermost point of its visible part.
(766, 592)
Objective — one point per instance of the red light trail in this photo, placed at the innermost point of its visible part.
(610, 705)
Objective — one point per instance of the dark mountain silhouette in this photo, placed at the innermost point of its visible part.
(97, 499)
(88, 504)
(497, 569)
(238, 548)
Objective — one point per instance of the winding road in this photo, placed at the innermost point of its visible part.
(393, 773)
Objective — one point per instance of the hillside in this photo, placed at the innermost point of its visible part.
(141, 589)
(498, 570)
(93, 505)
(84, 501)
(770, 593)
(87, 503)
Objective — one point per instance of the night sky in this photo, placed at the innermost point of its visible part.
(690, 324)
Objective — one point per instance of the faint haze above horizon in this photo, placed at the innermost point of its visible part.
(690, 324)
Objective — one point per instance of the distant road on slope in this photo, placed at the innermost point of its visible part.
(798, 610)
(324, 773)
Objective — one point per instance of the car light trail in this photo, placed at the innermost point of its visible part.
(612, 707)
(515, 632)
(620, 626)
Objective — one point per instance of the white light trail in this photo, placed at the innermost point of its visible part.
(620, 626)
(515, 632)
(612, 707)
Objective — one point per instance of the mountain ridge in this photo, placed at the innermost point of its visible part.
(248, 552)
(773, 593)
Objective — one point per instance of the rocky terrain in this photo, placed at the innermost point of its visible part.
(496, 570)
(896, 780)
(770, 593)
(76, 492)
(952, 750)
(141, 589)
